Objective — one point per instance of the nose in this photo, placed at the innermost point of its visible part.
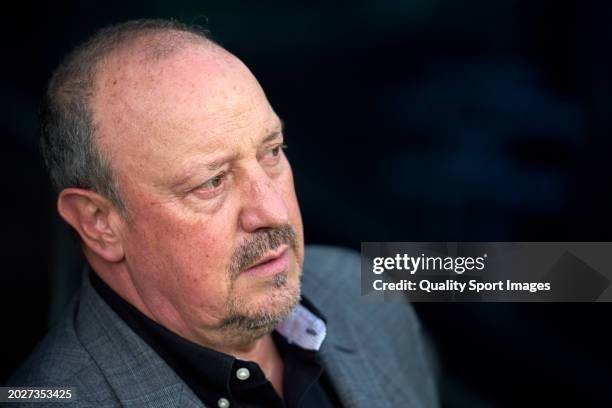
(263, 203)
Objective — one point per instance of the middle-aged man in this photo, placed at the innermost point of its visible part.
(169, 164)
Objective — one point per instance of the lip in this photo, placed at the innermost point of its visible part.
(274, 262)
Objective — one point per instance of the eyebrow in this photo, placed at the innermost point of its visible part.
(216, 164)
(274, 134)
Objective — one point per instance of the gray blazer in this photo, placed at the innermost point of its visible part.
(373, 353)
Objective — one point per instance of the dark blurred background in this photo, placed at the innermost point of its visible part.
(409, 120)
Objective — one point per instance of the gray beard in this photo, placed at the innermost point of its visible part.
(243, 325)
(244, 328)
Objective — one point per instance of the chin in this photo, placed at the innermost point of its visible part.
(255, 315)
(282, 295)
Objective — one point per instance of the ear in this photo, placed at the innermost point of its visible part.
(95, 219)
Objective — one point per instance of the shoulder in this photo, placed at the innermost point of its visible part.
(60, 360)
(388, 335)
(332, 279)
(321, 260)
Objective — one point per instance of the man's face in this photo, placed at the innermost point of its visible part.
(197, 151)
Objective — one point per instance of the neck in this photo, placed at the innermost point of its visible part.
(266, 355)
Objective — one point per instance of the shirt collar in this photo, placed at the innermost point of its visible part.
(304, 326)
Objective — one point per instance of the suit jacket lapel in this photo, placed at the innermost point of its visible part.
(138, 376)
(350, 373)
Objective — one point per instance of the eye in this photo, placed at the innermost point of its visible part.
(272, 155)
(276, 150)
(212, 184)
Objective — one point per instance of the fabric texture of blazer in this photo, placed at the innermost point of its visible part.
(374, 354)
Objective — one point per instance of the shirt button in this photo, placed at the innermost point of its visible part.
(223, 403)
(243, 374)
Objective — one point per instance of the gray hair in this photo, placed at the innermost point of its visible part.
(68, 145)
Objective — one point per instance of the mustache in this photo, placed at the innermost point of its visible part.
(261, 243)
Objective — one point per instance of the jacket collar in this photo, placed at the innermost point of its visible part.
(348, 369)
(139, 377)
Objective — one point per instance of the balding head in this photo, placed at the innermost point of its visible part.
(68, 140)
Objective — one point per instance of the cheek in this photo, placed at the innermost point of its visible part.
(184, 258)
(293, 207)
(288, 189)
